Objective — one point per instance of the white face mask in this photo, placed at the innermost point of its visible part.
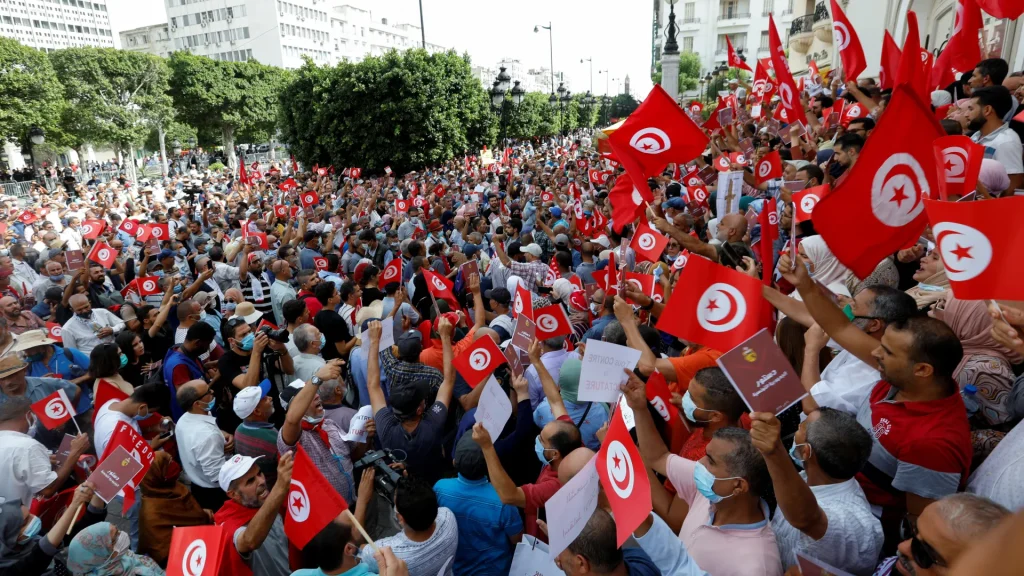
(122, 543)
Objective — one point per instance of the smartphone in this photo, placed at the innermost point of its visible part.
(166, 435)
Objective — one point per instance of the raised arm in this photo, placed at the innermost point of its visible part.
(292, 427)
(652, 447)
(551, 391)
(686, 241)
(507, 490)
(444, 393)
(257, 529)
(377, 400)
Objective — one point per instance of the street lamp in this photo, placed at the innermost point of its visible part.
(497, 95)
(564, 97)
(553, 100)
(503, 80)
(37, 135)
(176, 147)
(551, 49)
(498, 99)
(671, 45)
(606, 77)
(518, 93)
(191, 142)
(591, 60)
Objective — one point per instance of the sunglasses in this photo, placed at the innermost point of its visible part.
(923, 554)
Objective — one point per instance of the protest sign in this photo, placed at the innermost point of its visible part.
(571, 507)
(494, 408)
(357, 426)
(602, 370)
(387, 336)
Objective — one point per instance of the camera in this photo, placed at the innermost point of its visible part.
(279, 335)
(386, 479)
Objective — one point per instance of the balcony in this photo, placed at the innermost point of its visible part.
(689, 23)
(733, 18)
(801, 33)
(822, 24)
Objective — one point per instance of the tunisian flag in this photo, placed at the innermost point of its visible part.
(734, 59)
(764, 85)
(196, 550)
(478, 361)
(103, 254)
(890, 63)
(769, 167)
(713, 305)
(1011, 9)
(769, 219)
(790, 102)
(877, 209)
(54, 410)
(624, 478)
(958, 159)
(627, 200)
(978, 244)
(439, 286)
(963, 47)
(847, 43)
(551, 321)
(647, 243)
(312, 502)
(911, 69)
(523, 302)
(392, 272)
(805, 201)
(656, 134)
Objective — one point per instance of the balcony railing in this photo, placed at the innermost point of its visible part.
(802, 25)
(691, 20)
(727, 15)
(821, 12)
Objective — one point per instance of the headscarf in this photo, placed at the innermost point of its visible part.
(11, 521)
(885, 274)
(941, 98)
(569, 379)
(91, 554)
(827, 268)
(993, 176)
(970, 321)
(932, 289)
(166, 503)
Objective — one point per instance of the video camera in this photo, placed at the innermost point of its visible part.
(386, 479)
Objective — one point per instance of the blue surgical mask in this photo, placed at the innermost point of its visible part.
(33, 358)
(793, 454)
(178, 288)
(690, 409)
(57, 278)
(182, 252)
(808, 266)
(35, 526)
(124, 360)
(248, 341)
(140, 416)
(230, 306)
(209, 406)
(705, 482)
(323, 341)
(539, 449)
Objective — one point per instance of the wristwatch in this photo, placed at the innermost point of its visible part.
(316, 381)
(650, 304)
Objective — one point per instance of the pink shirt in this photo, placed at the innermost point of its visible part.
(731, 550)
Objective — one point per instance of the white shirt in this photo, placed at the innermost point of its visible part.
(201, 448)
(853, 538)
(1001, 475)
(24, 467)
(1004, 145)
(81, 335)
(73, 238)
(306, 365)
(106, 422)
(845, 383)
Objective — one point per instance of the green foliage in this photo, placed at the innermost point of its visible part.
(689, 71)
(30, 94)
(623, 105)
(720, 83)
(111, 94)
(216, 166)
(237, 99)
(173, 130)
(403, 110)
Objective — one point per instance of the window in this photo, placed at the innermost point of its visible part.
(764, 41)
(689, 9)
(769, 7)
(688, 44)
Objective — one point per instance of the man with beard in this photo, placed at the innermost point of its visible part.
(252, 517)
(985, 112)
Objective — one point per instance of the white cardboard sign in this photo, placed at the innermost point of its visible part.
(602, 372)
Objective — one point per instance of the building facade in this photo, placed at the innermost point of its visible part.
(155, 39)
(54, 24)
(356, 33)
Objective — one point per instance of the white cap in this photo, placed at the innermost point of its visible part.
(233, 469)
(534, 249)
(247, 399)
(603, 241)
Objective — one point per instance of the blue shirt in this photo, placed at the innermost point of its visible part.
(485, 526)
(357, 570)
(306, 258)
(597, 327)
(357, 361)
(596, 418)
(59, 364)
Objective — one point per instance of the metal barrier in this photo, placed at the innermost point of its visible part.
(16, 189)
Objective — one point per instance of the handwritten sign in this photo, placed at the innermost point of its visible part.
(602, 372)
(494, 408)
(387, 336)
(761, 374)
(571, 507)
(114, 473)
(357, 426)
(533, 559)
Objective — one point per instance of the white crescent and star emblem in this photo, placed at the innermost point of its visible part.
(636, 198)
(723, 162)
(103, 254)
(193, 561)
(158, 232)
(853, 111)
(635, 284)
(438, 283)
(651, 140)
(786, 95)
(958, 20)
(148, 285)
(659, 405)
(773, 218)
(55, 331)
(694, 181)
(298, 502)
(695, 109)
(700, 194)
(390, 272)
(547, 322)
(842, 34)
(646, 241)
(86, 229)
(897, 190)
(966, 251)
(764, 168)
(721, 308)
(680, 261)
(955, 164)
(518, 304)
(808, 202)
(741, 159)
(620, 469)
(479, 359)
(56, 409)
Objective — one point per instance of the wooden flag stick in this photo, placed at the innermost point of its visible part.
(73, 517)
(362, 531)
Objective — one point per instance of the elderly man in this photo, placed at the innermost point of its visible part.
(18, 320)
(281, 291)
(54, 277)
(309, 342)
(532, 271)
(732, 228)
(201, 445)
(15, 383)
(89, 328)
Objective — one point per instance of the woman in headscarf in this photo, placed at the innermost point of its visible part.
(588, 416)
(166, 503)
(884, 274)
(579, 315)
(821, 263)
(932, 283)
(24, 551)
(992, 179)
(103, 550)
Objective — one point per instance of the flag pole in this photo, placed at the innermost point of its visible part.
(75, 422)
(352, 518)
(78, 509)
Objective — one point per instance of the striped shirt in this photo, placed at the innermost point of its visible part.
(259, 439)
(264, 305)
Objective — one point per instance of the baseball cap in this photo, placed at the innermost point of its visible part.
(603, 241)
(555, 211)
(310, 234)
(291, 391)
(499, 295)
(203, 299)
(247, 399)
(673, 190)
(469, 458)
(234, 469)
(561, 240)
(409, 343)
(165, 253)
(406, 398)
(533, 249)
(675, 204)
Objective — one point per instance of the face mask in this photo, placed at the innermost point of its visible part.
(848, 311)
(33, 358)
(539, 449)
(809, 272)
(178, 289)
(690, 409)
(230, 306)
(209, 405)
(314, 420)
(705, 482)
(122, 543)
(182, 252)
(57, 278)
(124, 360)
(35, 526)
(141, 416)
(793, 454)
(202, 315)
(85, 315)
(595, 309)
(247, 342)
(323, 341)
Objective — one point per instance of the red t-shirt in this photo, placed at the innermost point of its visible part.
(537, 494)
(919, 447)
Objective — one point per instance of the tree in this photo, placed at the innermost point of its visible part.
(172, 131)
(405, 110)
(232, 98)
(112, 95)
(623, 105)
(30, 94)
(689, 72)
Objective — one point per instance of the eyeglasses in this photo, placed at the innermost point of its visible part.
(924, 555)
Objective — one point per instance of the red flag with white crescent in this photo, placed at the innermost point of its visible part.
(958, 159)
(478, 361)
(624, 478)
(54, 410)
(196, 551)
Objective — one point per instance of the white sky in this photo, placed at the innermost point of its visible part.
(615, 33)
